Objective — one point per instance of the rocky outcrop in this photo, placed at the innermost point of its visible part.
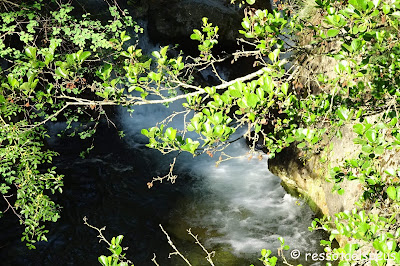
(308, 178)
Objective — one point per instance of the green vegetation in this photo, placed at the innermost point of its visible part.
(58, 67)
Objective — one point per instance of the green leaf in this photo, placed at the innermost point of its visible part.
(219, 130)
(376, 2)
(343, 113)
(391, 192)
(118, 240)
(103, 260)
(190, 145)
(252, 100)
(356, 45)
(31, 52)
(268, 84)
(398, 193)
(379, 150)
(284, 88)
(263, 252)
(396, 14)
(257, 128)
(164, 50)
(273, 260)
(360, 5)
(359, 129)
(301, 145)
(154, 76)
(218, 118)
(367, 148)
(124, 37)
(393, 122)
(332, 32)
(170, 133)
(118, 250)
(62, 72)
(145, 132)
(260, 93)
(234, 92)
(250, 2)
(350, 248)
(273, 56)
(105, 71)
(210, 90)
(386, 9)
(83, 56)
(371, 135)
(195, 36)
(363, 228)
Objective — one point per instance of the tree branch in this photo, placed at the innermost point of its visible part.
(173, 246)
(12, 208)
(209, 254)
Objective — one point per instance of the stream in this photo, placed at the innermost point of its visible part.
(236, 209)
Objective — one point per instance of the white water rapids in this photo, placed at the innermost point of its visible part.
(240, 205)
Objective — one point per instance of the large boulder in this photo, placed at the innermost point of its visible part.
(308, 177)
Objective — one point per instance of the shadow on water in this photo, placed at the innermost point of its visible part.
(109, 187)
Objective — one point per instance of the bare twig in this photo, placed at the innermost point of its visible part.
(173, 247)
(280, 254)
(9, 206)
(209, 254)
(154, 260)
(121, 257)
(99, 230)
(9, 2)
(170, 176)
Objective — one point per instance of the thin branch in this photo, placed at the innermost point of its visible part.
(217, 74)
(173, 247)
(140, 101)
(9, 2)
(121, 257)
(51, 116)
(201, 91)
(99, 230)
(154, 260)
(170, 176)
(12, 208)
(209, 254)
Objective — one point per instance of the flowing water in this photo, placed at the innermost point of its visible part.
(236, 209)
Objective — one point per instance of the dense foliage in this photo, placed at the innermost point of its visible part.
(57, 66)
